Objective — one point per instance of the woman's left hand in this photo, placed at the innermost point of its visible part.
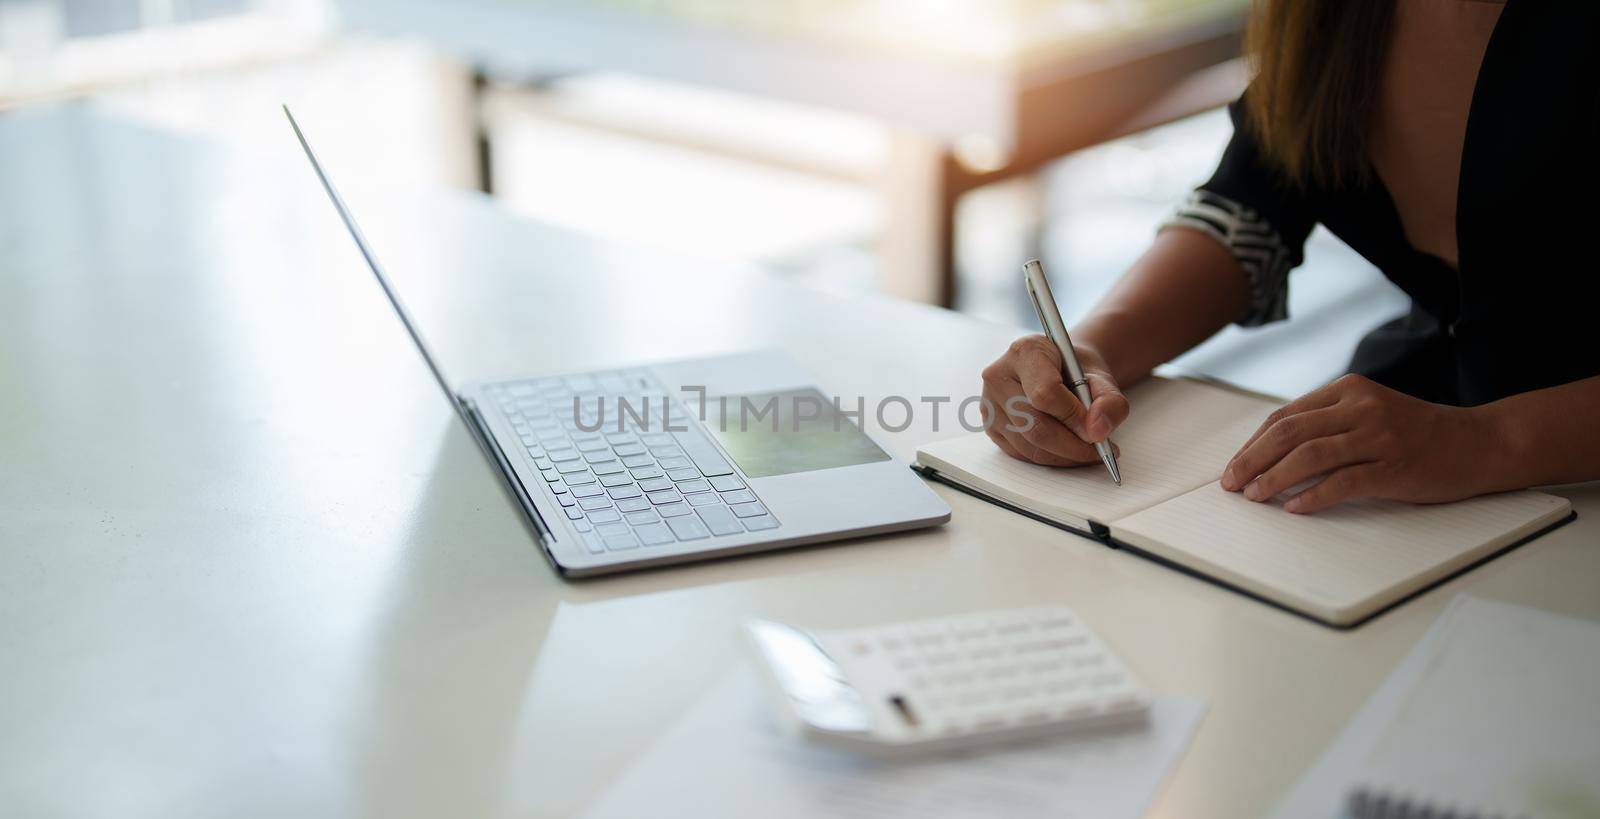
(1367, 441)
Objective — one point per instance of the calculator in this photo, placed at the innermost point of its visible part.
(948, 683)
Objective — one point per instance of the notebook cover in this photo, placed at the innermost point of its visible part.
(1102, 534)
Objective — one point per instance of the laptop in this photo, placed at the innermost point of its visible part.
(671, 462)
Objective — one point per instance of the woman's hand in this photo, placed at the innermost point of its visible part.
(1032, 415)
(1368, 441)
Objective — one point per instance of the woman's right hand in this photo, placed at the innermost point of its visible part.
(1032, 415)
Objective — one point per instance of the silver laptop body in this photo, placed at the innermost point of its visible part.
(675, 461)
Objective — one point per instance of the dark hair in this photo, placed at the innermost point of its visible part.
(1318, 64)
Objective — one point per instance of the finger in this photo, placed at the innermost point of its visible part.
(1267, 448)
(1001, 442)
(1318, 456)
(1108, 409)
(1324, 396)
(1049, 435)
(1349, 483)
(1030, 431)
(1040, 374)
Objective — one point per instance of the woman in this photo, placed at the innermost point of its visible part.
(1442, 140)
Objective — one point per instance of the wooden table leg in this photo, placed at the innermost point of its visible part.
(484, 160)
(922, 183)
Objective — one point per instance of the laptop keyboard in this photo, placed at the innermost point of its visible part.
(630, 469)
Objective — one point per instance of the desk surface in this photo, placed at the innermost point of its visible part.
(250, 565)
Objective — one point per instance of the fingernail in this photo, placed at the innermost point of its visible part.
(1254, 491)
(1230, 479)
(1293, 505)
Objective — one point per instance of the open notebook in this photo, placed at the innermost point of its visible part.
(1339, 566)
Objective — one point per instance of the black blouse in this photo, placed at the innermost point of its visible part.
(1523, 310)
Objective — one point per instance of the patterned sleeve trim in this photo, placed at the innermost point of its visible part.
(1253, 241)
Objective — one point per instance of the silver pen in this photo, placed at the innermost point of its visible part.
(1050, 319)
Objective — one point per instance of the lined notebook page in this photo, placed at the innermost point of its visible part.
(1341, 563)
(1178, 436)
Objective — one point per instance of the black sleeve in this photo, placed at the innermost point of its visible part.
(1257, 216)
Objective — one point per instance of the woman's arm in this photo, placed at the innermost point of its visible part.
(1368, 441)
(1183, 289)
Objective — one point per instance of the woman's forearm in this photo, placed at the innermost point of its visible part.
(1183, 290)
(1545, 436)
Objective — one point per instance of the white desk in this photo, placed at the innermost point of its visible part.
(249, 565)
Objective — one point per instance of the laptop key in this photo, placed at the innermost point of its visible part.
(565, 455)
(687, 473)
(672, 510)
(633, 504)
(703, 499)
(726, 483)
(615, 528)
(572, 466)
(644, 472)
(603, 516)
(544, 463)
(654, 484)
(550, 474)
(593, 445)
(691, 487)
(665, 496)
(674, 463)
(566, 499)
(636, 461)
(583, 525)
(574, 514)
(598, 456)
(637, 519)
(748, 510)
(594, 504)
(688, 527)
(594, 543)
(654, 534)
(620, 492)
(618, 543)
(627, 450)
(705, 456)
(607, 468)
(588, 490)
(760, 522)
(720, 521)
(619, 479)
(576, 479)
(738, 496)
(655, 438)
(669, 451)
